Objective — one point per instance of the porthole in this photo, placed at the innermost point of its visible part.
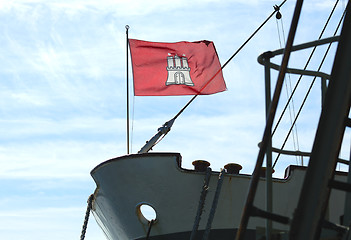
(146, 213)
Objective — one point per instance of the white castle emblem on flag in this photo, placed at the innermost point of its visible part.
(178, 71)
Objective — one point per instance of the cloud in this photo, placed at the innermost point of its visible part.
(56, 223)
(63, 98)
(40, 148)
(64, 62)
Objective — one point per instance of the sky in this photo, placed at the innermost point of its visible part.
(63, 97)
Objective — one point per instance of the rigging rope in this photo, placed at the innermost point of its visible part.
(214, 205)
(226, 63)
(87, 214)
(150, 144)
(201, 203)
(151, 223)
(313, 81)
(288, 88)
(307, 63)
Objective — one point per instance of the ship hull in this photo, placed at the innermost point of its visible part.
(214, 234)
(157, 180)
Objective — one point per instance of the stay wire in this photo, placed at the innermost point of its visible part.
(297, 147)
(309, 90)
(288, 88)
(226, 63)
(299, 80)
(276, 9)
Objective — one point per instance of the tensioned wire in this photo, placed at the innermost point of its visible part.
(276, 9)
(299, 80)
(288, 89)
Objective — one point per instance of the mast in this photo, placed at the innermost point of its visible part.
(316, 188)
(127, 61)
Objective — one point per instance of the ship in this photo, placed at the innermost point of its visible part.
(309, 202)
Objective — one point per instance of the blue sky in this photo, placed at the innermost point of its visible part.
(63, 101)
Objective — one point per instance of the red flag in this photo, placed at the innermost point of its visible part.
(182, 68)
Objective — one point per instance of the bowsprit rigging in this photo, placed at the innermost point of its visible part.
(163, 131)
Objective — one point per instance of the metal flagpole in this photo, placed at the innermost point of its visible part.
(127, 47)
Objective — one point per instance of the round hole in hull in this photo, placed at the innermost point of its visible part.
(146, 213)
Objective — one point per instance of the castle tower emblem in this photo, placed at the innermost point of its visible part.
(178, 71)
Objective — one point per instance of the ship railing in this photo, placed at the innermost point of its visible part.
(271, 105)
(265, 60)
(303, 154)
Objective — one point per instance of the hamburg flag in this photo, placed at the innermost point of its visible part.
(181, 68)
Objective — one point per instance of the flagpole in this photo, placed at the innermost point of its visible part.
(127, 62)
